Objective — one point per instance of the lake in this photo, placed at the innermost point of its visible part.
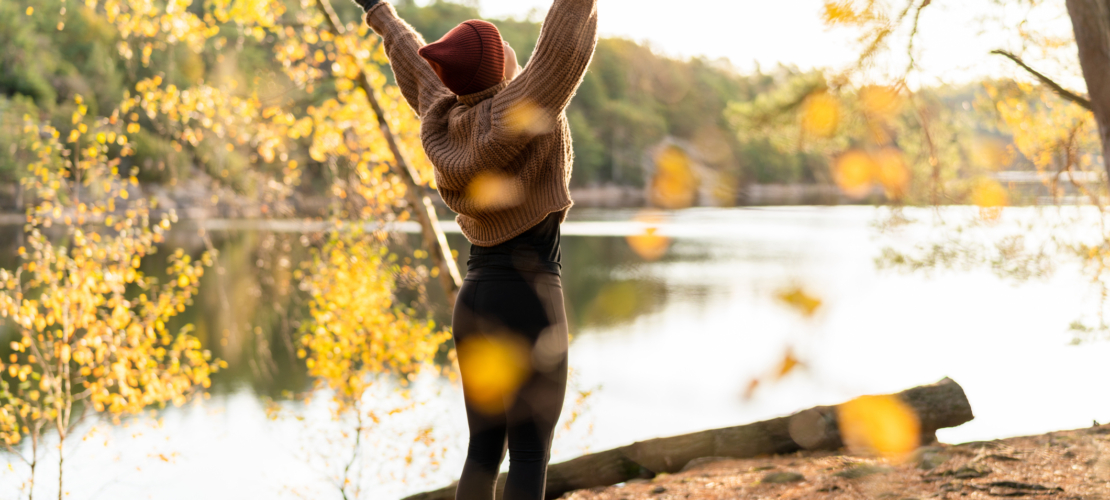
(664, 347)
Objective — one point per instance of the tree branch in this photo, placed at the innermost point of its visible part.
(1059, 90)
(434, 239)
(913, 32)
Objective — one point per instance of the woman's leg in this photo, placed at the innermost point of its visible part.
(487, 432)
(533, 417)
(531, 311)
(483, 457)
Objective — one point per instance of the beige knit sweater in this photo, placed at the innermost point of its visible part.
(512, 138)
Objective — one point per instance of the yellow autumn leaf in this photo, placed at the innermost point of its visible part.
(528, 119)
(493, 191)
(853, 172)
(649, 245)
(675, 184)
(800, 300)
(990, 152)
(881, 425)
(880, 102)
(789, 363)
(891, 172)
(990, 197)
(616, 302)
(493, 367)
(821, 115)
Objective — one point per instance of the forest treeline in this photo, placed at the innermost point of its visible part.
(749, 127)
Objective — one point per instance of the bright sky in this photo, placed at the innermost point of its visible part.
(790, 31)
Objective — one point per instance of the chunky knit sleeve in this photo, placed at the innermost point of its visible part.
(418, 83)
(545, 87)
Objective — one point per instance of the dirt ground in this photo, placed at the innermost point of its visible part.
(1068, 465)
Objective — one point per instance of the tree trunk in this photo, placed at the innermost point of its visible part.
(61, 468)
(1091, 21)
(420, 203)
(938, 406)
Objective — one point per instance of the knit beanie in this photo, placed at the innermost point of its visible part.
(469, 58)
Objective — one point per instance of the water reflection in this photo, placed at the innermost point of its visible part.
(603, 281)
(673, 343)
(248, 310)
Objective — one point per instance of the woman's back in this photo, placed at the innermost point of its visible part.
(502, 155)
(515, 133)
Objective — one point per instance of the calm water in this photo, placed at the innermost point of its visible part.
(667, 347)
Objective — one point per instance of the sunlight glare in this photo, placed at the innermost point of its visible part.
(649, 245)
(493, 191)
(494, 367)
(675, 184)
(883, 425)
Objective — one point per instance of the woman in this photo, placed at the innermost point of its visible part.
(499, 140)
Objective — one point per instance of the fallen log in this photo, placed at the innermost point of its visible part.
(938, 406)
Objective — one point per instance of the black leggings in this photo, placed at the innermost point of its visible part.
(522, 313)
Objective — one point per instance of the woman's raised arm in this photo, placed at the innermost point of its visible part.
(418, 83)
(563, 53)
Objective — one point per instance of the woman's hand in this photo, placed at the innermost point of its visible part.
(512, 66)
(367, 4)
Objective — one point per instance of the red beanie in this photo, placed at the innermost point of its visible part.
(469, 58)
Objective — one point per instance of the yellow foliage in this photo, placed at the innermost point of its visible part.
(355, 331)
(85, 339)
(265, 129)
(883, 425)
(1046, 132)
(848, 12)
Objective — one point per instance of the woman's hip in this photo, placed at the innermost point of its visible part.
(525, 305)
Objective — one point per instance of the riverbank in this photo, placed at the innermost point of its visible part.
(1065, 465)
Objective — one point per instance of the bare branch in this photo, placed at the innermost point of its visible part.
(914, 31)
(1056, 87)
(16, 454)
